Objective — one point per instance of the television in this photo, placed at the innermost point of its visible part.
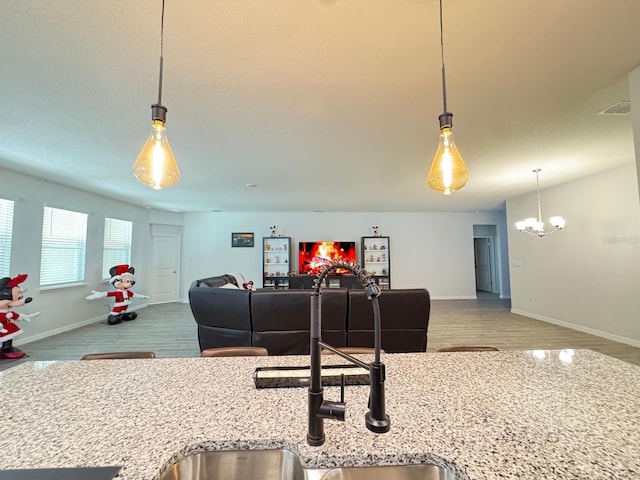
(313, 255)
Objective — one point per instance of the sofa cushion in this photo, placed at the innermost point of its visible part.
(223, 318)
(282, 318)
(404, 315)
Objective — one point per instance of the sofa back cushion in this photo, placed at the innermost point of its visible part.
(333, 316)
(404, 317)
(281, 319)
(223, 316)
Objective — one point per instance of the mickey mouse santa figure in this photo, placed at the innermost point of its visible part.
(12, 296)
(122, 281)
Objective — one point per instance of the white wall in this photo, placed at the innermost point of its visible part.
(66, 308)
(588, 275)
(430, 250)
(634, 96)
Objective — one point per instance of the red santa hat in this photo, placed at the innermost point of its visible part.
(17, 280)
(118, 271)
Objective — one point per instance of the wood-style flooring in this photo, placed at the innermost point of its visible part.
(170, 331)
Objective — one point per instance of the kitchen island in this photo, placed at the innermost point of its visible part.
(520, 415)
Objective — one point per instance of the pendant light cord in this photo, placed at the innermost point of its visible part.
(444, 86)
(161, 55)
(537, 170)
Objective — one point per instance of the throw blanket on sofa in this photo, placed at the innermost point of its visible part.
(226, 280)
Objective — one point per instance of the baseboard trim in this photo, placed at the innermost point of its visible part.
(580, 328)
(471, 297)
(50, 333)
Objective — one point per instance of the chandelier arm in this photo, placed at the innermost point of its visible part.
(540, 234)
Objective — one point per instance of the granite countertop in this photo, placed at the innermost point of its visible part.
(508, 415)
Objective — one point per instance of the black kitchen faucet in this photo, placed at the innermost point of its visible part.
(376, 419)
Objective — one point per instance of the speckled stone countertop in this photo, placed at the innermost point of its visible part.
(507, 415)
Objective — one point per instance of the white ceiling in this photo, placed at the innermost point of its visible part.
(325, 104)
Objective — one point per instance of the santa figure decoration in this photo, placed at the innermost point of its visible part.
(122, 281)
(12, 296)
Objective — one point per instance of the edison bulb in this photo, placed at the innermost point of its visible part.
(156, 166)
(448, 171)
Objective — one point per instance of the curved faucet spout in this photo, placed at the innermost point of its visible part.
(376, 419)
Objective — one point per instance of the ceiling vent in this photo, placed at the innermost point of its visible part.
(620, 108)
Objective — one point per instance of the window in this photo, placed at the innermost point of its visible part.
(6, 231)
(117, 244)
(64, 239)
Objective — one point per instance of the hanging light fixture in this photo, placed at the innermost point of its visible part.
(156, 165)
(448, 172)
(534, 226)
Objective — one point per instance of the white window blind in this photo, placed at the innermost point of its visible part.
(64, 238)
(117, 244)
(6, 231)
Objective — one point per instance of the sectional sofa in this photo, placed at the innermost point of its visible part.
(279, 320)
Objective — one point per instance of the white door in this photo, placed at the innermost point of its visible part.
(165, 263)
(484, 262)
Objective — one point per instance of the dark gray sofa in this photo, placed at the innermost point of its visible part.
(279, 320)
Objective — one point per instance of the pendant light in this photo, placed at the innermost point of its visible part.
(534, 226)
(448, 172)
(156, 165)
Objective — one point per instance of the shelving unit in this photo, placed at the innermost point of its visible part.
(276, 262)
(376, 259)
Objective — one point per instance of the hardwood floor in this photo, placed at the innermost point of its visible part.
(170, 331)
(488, 322)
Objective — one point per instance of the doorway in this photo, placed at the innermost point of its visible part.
(165, 268)
(483, 254)
(486, 261)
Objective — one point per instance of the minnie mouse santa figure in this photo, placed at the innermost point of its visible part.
(12, 296)
(122, 281)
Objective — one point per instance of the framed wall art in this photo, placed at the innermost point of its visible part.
(242, 239)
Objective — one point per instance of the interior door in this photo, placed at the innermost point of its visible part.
(165, 263)
(484, 261)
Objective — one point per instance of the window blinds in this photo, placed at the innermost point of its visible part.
(64, 235)
(6, 232)
(117, 244)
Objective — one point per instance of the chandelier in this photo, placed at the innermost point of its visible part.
(534, 226)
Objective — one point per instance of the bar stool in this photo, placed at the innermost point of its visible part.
(117, 355)
(235, 352)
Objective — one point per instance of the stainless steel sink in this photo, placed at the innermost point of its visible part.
(282, 464)
(279, 464)
(391, 472)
